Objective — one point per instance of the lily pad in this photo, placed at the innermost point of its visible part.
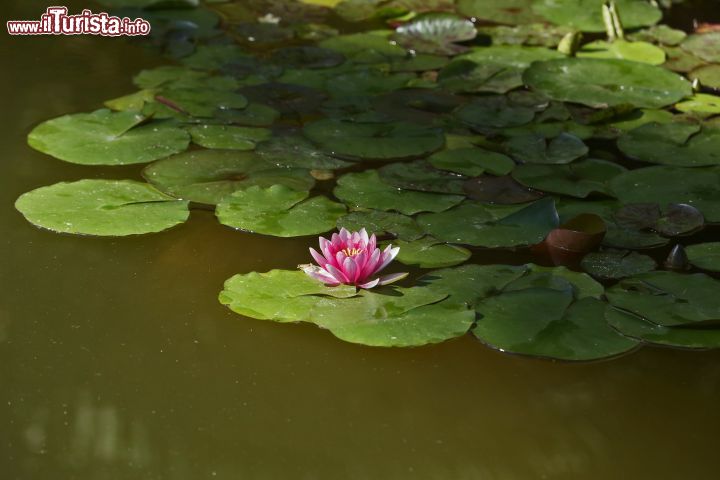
(615, 264)
(374, 141)
(307, 57)
(635, 51)
(435, 33)
(107, 138)
(228, 137)
(472, 161)
(659, 34)
(705, 255)
(700, 103)
(407, 317)
(634, 326)
(601, 83)
(278, 295)
(208, 176)
(102, 207)
(578, 179)
(296, 151)
(547, 323)
(492, 226)
(708, 75)
(367, 47)
(494, 111)
(664, 185)
(499, 11)
(668, 298)
(421, 176)
(379, 222)
(279, 211)
(470, 283)
(196, 102)
(367, 190)
(703, 45)
(676, 144)
(586, 15)
(428, 252)
(533, 34)
(535, 148)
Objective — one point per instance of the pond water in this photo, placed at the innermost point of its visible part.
(117, 361)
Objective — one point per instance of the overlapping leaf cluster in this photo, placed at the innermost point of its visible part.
(462, 125)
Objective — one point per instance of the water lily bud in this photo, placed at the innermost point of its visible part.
(677, 259)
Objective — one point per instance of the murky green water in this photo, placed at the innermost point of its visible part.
(117, 362)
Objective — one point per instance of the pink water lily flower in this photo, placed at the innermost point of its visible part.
(352, 259)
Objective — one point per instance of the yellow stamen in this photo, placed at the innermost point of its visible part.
(352, 252)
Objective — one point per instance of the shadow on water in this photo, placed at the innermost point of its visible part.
(117, 362)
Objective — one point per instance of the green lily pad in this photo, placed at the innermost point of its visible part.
(408, 317)
(278, 295)
(494, 111)
(604, 82)
(583, 285)
(633, 326)
(578, 179)
(470, 283)
(228, 137)
(535, 148)
(374, 141)
(676, 144)
(208, 176)
(428, 252)
(615, 264)
(704, 255)
(367, 47)
(532, 34)
(472, 161)
(102, 207)
(182, 77)
(586, 15)
(640, 117)
(679, 60)
(544, 322)
(295, 151)
(307, 56)
(278, 211)
(492, 226)
(492, 69)
(435, 33)
(421, 176)
(620, 49)
(499, 11)
(499, 190)
(668, 298)
(659, 34)
(107, 138)
(379, 222)
(367, 190)
(254, 115)
(665, 185)
(700, 103)
(703, 45)
(708, 75)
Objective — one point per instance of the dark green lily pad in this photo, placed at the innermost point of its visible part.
(428, 252)
(208, 176)
(182, 77)
(102, 207)
(586, 15)
(421, 176)
(254, 115)
(679, 60)
(544, 322)
(708, 75)
(492, 226)
(196, 102)
(379, 222)
(664, 185)
(472, 161)
(499, 190)
(435, 33)
(578, 179)
(659, 34)
(278, 295)
(677, 144)
(705, 255)
(499, 11)
(703, 45)
(407, 317)
(367, 47)
(279, 211)
(620, 49)
(634, 326)
(492, 69)
(470, 283)
(532, 34)
(535, 148)
(604, 82)
(374, 141)
(367, 190)
(494, 111)
(107, 138)
(295, 151)
(228, 137)
(669, 298)
(307, 57)
(615, 264)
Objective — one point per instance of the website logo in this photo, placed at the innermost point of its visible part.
(56, 21)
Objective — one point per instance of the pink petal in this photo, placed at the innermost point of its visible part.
(339, 275)
(349, 269)
(344, 235)
(363, 237)
(393, 277)
(372, 243)
(371, 264)
(319, 274)
(360, 262)
(388, 255)
(370, 284)
(339, 259)
(318, 258)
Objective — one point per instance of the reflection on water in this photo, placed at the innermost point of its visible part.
(117, 362)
